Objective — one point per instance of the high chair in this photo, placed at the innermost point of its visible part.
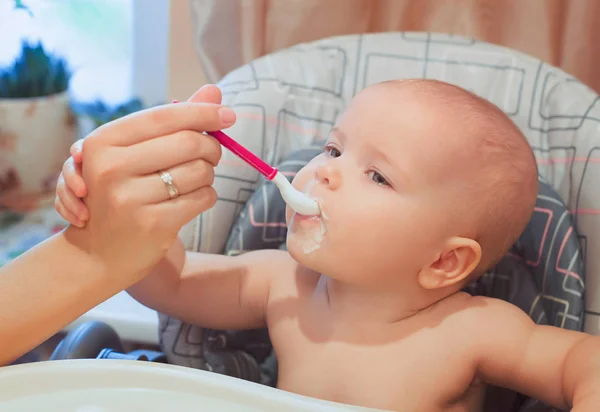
(286, 103)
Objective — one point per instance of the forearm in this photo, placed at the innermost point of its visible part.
(46, 289)
(209, 290)
(159, 288)
(581, 375)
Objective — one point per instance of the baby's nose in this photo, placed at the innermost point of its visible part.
(329, 175)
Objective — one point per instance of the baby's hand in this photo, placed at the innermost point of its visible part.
(71, 188)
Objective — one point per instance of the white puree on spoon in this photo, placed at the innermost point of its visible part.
(312, 237)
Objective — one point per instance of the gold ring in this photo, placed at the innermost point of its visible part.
(168, 181)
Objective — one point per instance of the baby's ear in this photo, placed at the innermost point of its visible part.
(456, 261)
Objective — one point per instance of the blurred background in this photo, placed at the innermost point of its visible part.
(94, 37)
(101, 59)
(120, 49)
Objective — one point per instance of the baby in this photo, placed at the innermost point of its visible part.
(423, 186)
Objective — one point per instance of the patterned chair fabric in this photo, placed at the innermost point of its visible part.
(288, 101)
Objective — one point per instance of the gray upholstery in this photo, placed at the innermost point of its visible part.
(288, 100)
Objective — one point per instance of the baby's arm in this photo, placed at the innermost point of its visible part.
(557, 366)
(213, 291)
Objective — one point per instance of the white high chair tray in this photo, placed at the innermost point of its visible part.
(126, 386)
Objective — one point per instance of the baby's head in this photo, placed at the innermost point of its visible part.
(422, 184)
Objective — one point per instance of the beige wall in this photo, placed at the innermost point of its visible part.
(184, 72)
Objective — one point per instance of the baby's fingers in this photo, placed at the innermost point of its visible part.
(65, 214)
(77, 151)
(72, 205)
(71, 173)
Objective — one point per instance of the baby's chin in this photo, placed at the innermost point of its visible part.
(305, 250)
(320, 260)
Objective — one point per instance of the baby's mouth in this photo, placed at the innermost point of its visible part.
(310, 230)
(311, 220)
(307, 190)
(302, 217)
(319, 203)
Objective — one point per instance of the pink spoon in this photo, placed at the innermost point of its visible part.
(295, 199)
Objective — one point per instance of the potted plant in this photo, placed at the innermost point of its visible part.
(97, 113)
(37, 126)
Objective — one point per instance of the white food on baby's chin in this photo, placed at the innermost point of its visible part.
(310, 240)
(315, 237)
(323, 215)
(314, 242)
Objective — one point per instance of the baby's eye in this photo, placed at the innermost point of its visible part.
(378, 178)
(332, 151)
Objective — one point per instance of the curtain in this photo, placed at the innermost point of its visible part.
(230, 33)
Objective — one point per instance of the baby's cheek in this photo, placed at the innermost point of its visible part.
(300, 179)
(306, 174)
(361, 229)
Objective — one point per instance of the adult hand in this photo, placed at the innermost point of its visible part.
(133, 217)
(71, 188)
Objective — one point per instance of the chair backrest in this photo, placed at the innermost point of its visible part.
(289, 99)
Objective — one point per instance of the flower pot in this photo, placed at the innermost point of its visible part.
(35, 136)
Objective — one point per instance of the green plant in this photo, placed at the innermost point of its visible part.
(35, 73)
(100, 113)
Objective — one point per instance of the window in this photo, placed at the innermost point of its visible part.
(116, 48)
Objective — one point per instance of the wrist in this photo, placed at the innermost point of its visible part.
(94, 260)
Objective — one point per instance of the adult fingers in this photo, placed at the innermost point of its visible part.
(160, 121)
(169, 151)
(179, 211)
(187, 178)
(209, 93)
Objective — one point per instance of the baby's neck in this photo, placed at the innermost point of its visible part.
(358, 304)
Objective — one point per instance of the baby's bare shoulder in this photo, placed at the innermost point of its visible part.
(482, 320)
(478, 313)
(484, 308)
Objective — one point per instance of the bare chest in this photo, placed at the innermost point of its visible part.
(385, 369)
